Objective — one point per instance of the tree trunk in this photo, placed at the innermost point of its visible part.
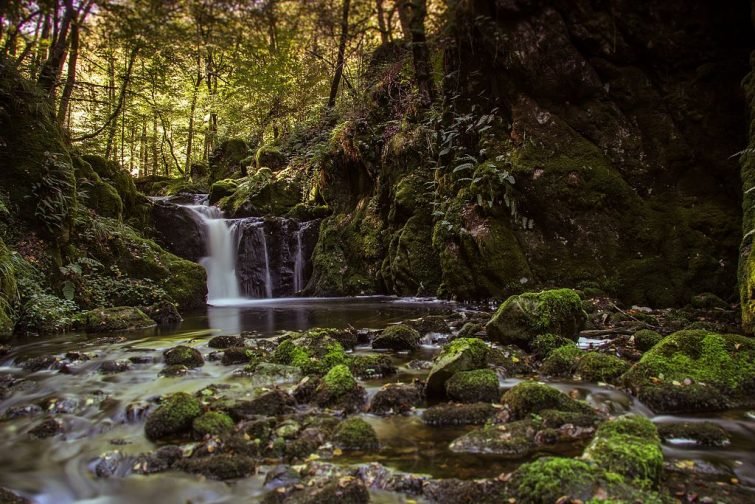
(341, 54)
(412, 15)
(73, 55)
(49, 75)
(384, 36)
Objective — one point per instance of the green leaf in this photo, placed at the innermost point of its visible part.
(69, 290)
(464, 166)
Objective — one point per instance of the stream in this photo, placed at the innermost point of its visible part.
(98, 409)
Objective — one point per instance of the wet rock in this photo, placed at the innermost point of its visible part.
(521, 318)
(40, 363)
(9, 497)
(174, 417)
(462, 354)
(239, 355)
(464, 491)
(708, 301)
(372, 366)
(628, 445)
(724, 362)
(178, 230)
(121, 318)
(212, 423)
(396, 399)
(339, 390)
(600, 367)
(273, 403)
(694, 433)
(398, 338)
(347, 338)
(510, 440)
(510, 360)
(224, 342)
(562, 361)
(344, 490)
(480, 385)
(420, 364)
(281, 476)
(269, 373)
(355, 434)
(107, 464)
(682, 398)
(174, 371)
(531, 397)
(160, 460)
(47, 428)
(183, 355)
(430, 324)
(218, 467)
(165, 314)
(135, 412)
(29, 410)
(544, 344)
(459, 414)
(306, 389)
(114, 366)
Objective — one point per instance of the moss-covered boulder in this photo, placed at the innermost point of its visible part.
(510, 440)
(396, 399)
(397, 337)
(458, 414)
(340, 390)
(224, 466)
(183, 355)
(645, 339)
(544, 344)
(355, 434)
(723, 362)
(173, 418)
(411, 267)
(270, 156)
(694, 433)
(229, 159)
(531, 397)
(600, 367)
(222, 189)
(212, 423)
(103, 198)
(372, 366)
(479, 385)
(462, 354)
(120, 318)
(562, 361)
(630, 446)
(521, 318)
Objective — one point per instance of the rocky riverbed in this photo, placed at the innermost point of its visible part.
(559, 396)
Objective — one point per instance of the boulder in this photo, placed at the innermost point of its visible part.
(462, 354)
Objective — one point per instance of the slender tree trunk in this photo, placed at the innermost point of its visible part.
(153, 143)
(73, 55)
(412, 14)
(384, 35)
(49, 75)
(341, 54)
(110, 100)
(41, 53)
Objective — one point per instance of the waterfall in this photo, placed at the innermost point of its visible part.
(222, 243)
(298, 262)
(268, 281)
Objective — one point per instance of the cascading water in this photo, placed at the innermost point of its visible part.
(220, 262)
(298, 263)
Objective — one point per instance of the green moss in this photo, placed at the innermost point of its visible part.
(372, 366)
(521, 318)
(270, 156)
(629, 446)
(600, 367)
(339, 380)
(462, 354)
(412, 267)
(212, 423)
(355, 434)
(190, 357)
(645, 339)
(120, 318)
(544, 344)
(104, 199)
(307, 212)
(532, 397)
(222, 189)
(562, 361)
(397, 337)
(725, 361)
(480, 385)
(174, 416)
(459, 414)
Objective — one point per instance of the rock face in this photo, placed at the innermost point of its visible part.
(603, 118)
(178, 229)
(746, 253)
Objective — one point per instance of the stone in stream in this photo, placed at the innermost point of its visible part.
(398, 338)
(219, 467)
(223, 342)
(694, 433)
(47, 428)
(9, 497)
(114, 366)
(164, 313)
(530, 397)
(372, 366)
(459, 414)
(183, 355)
(338, 389)
(272, 403)
(355, 434)
(212, 423)
(462, 354)
(173, 418)
(396, 399)
(601, 367)
(479, 385)
(521, 318)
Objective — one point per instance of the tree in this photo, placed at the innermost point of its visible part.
(412, 14)
(335, 83)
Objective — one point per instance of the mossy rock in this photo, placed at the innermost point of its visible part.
(683, 398)
(708, 301)
(462, 354)
(225, 341)
(270, 156)
(372, 366)
(628, 445)
(396, 399)
(183, 355)
(222, 189)
(219, 467)
(340, 390)
(308, 212)
(479, 385)
(550, 479)
(531, 397)
(600, 367)
(459, 414)
(562, 361)
(510, 440)
(212, 423)
(544, 344)
(723, 361)
(398, 338)
(521, 318)
(120, 318)
(412, 268)
(698, 433)
(116, 176)
(173, 418)
(104, 199)
(645, 339)
(355, 434)
(227, 160)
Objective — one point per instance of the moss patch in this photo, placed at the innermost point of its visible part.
(480, 385)
(355, 434)
(173, 418)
